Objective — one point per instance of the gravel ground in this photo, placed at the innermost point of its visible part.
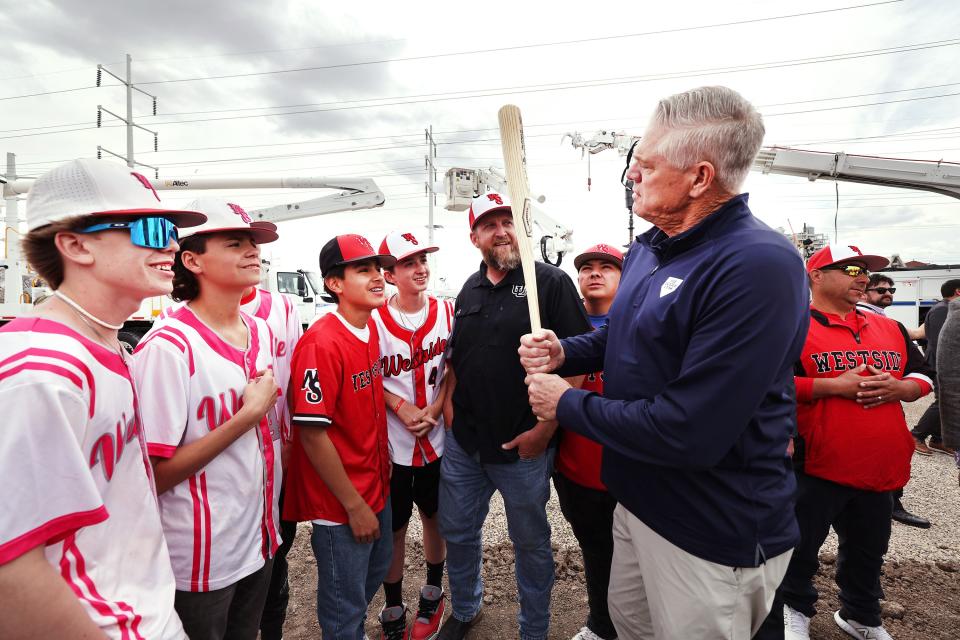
(933, 493)
(921, 577)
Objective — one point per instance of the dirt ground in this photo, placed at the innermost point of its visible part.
(923, 598)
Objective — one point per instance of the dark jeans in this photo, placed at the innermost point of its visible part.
(862, 521)
(231, 613)
(590, 514)
(929, 423)
(278, 593)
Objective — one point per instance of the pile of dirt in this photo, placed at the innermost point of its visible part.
(922, 598)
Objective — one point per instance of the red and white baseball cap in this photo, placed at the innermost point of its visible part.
(98, 188)
(485, 203)
(350, 248)
(829, 256)
(226, 216)
(402, 245)
(600, 252)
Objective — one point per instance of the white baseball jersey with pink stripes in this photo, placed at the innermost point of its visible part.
(412, 370)
(222, 522)
(76, 479)
(281, 316)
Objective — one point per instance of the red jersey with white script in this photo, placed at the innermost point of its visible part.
(839, 440)
(77, 480)
(221, 522)
(412, 358)
(337, 386)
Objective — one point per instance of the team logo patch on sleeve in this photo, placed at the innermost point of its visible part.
(311, 384)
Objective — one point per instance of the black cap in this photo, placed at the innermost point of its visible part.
(348, 248)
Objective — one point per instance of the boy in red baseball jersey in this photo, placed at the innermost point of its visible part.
(584, 500)
(339, 476)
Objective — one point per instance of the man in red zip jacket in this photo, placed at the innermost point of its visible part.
(853, 448)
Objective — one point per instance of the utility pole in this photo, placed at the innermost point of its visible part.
(128, 121)
(431, 180)
(11, 248)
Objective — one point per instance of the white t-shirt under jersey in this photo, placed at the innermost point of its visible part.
(221, 522)
(76, 479)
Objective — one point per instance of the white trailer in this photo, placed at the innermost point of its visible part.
(918, 289)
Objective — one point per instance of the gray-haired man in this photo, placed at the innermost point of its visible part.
(698, 404)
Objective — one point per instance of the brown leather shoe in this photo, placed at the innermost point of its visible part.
(921, 447)
(940, 448)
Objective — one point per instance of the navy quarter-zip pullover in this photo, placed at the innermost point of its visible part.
(699, 402)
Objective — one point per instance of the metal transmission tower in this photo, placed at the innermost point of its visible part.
(128, 82)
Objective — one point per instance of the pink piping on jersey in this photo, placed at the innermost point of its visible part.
(215, 342)
(51, 532)
(158, 450)
(95, 600)
(105, 357)
(263, 311)
(268, 527)
(66, 357)
(134, 618)
(209, 529)
(197, 534)
(175, 337)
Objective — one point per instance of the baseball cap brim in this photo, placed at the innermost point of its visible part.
(262, 232)
(596, 255)
(483, 215)
(385, 260)
(406, 255)
(182, 218)
(871, 262)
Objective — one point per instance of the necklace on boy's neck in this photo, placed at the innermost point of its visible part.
(83, 314)
(416, 320)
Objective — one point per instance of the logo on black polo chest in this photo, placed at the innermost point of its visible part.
(519, 290)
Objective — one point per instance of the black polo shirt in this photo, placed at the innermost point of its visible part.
(490, 403)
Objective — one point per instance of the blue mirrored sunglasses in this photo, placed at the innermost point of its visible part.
(151, 233)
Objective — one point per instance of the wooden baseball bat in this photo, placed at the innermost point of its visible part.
(515, 163)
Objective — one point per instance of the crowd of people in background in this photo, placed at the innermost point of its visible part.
(707, 406)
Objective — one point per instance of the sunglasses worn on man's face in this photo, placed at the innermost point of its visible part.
(852, 270)
(883, 290)
(150, 232)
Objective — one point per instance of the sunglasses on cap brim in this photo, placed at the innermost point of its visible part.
(852, 270)
(151, 232)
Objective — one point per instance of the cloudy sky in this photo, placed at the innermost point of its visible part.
(347, 89)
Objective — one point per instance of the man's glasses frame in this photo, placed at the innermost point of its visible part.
(883, 290)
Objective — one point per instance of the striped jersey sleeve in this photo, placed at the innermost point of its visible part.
(314, 384)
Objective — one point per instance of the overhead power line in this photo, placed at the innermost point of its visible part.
(481, 51)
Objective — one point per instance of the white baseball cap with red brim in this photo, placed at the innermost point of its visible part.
(99, 188)
(843, 254)
(403, 244)
(225, 216)
(487, 203)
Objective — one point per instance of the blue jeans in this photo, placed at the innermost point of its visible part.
(466, 486)
(348, 575)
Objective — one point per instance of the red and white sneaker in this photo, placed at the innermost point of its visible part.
(426, 626)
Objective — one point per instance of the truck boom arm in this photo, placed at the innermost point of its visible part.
(923, 175)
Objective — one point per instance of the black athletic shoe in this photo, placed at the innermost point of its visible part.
(454, 629)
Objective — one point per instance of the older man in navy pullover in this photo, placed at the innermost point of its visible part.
(699, 403)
